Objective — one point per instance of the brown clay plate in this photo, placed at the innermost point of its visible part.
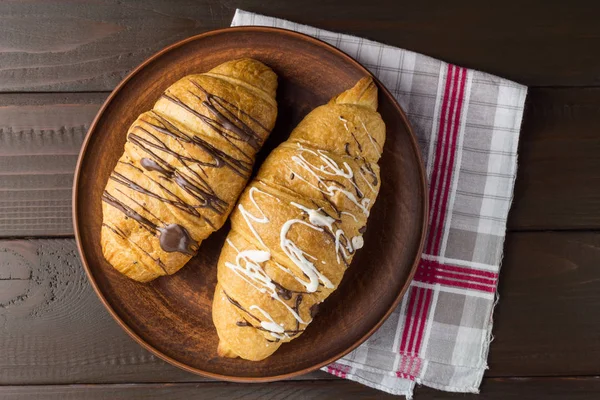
(171, 316)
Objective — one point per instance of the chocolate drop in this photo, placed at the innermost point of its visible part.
(174, 237)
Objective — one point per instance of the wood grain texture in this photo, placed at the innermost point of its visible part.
(578, 388)
(546, 322)
(54, 329)
(40, 137)
(558, 180)
(74, 45)
(558, 184)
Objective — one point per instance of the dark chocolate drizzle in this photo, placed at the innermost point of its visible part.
(297, 309)
(238, 305)
(289, 332)
(340, 252)
(151, 165)
(347, 148)
(344, 241)
(359, 194)
(172, 237)
(219, 158)
(332, 204)
(321, 185)
(333, 238)
(220, 108)
(193, 183)
(128, 211)
(285, 294)
(354, 137)
(369, 169)
(224, 120)
(357, 142)
(131, 165)
(298, 301)
(337, 220)
(199, 190)
(120, 233)
(142, 206)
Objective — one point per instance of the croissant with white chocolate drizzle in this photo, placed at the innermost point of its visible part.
(184, 165)
(298, 224)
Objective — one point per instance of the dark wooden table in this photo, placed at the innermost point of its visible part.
(60, 59)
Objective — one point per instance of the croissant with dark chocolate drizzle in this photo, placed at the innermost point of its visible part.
(298, 225)
(184, 165)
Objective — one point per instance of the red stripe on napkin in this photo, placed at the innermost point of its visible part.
(441, 179)
(433, 272)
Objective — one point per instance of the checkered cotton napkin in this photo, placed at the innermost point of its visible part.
(467, 124)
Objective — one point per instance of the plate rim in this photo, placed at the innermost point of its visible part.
(123, 324)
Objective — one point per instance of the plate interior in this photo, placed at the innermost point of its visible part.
(171, 316)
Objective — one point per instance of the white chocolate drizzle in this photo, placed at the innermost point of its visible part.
(350, 214)
(357, 242)
(298, 257)
(262, 219)
(319, 219)
(276, 330)
(249, 216)
(316, 217)
(247, 266)
(248, 263)
(362, 175)
(370, 138)
(330, 168)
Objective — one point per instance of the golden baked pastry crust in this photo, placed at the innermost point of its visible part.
(184, 165)
(298, 224)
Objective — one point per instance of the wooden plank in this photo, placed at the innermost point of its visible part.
(559, 388)
(54, 329)
(546, 320)
(580, 388)
(280, 390)
(558, 182)
(75, 45)
(40, 138)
